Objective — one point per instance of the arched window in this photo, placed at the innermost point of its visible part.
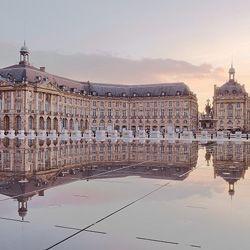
(76, 125)
(18, 123)
(71, 124)
(55, 124)
(48, 123)
(64, 123)
(81, 124)
(6, 123)
(41, 123)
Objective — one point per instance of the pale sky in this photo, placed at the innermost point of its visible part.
(130, 41)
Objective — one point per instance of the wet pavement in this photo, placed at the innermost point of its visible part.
(68, 195)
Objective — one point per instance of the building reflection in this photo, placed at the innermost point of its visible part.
(230, 161)
(29, 167)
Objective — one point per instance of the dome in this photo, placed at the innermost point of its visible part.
(231, 88)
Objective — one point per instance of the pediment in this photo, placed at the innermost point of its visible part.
(49, 86)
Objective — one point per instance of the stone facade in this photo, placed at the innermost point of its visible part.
(231, 105)
(31, 99)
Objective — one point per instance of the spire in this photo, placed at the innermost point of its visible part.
(231, 73)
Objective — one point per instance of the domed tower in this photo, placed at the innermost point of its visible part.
(230, 103)
(24, 55)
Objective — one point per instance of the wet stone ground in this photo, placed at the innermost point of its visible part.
(197, 199)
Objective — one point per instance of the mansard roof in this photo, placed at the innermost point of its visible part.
(168, 89)
(23, 72)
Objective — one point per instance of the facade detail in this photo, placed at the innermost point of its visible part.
(32, 99)
(231, 106)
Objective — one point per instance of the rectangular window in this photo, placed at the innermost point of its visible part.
(109, 112)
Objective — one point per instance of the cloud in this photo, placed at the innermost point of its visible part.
(107, 68)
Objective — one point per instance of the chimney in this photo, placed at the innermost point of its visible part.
(42, 69)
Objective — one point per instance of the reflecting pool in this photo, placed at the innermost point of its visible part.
(117, 195)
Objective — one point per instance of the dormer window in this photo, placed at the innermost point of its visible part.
(134, 94)
(109, 94)
(148, 94)
(39, 78)
(163, 93)
(123, 94)
(178, 93)
(94, 93)
(234, 91)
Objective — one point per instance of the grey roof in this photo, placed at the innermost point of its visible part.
(2, 78)
(231, 87)
(168, 89)
(23, 72)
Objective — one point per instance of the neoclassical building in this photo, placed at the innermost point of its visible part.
(32, 99)
(231, 105)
